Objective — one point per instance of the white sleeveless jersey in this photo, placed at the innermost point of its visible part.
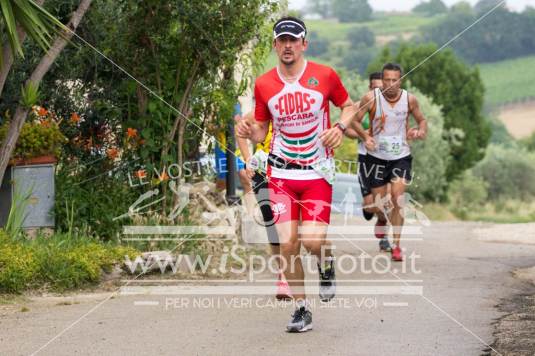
(391, 135)
(362, 148)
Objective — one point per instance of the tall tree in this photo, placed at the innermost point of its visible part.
(319, 7)
(482, 6)
(503, 34)
(168, 51)
(362, 36)
(15, 125)
(351, 10)
(430, 8)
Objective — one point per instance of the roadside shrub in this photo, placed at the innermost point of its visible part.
(529, 143)
(500, 135)
(95, 201)
(317, 46)
(509, 173)
(74, 266)
(66, 269)
(431, 157)
(60, 262)
(361, 36)
(18, 266)
(3, 236)
(467, 193)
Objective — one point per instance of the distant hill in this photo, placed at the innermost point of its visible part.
(506, 82)
(383, 24)
(509, 81)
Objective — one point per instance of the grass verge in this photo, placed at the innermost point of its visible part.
(59, 262)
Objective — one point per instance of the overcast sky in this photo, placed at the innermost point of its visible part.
(405, 5)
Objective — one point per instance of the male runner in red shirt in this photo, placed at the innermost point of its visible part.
(295, 98)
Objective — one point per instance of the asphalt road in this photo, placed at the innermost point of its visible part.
(446, 309)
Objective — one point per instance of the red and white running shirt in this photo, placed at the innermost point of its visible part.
(300, 113)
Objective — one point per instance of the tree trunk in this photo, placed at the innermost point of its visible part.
(182, 106)
(180, 145)
(7, 54)
(39, 72)
(142, 100)
(8, 58)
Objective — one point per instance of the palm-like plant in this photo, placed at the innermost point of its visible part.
(19, 16)
(32, 19)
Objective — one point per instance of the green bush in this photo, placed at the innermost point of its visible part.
(358, 58)
(77, 266)
(348, 151)
(506, 36)
(66, 269)
(59, 262)
(4, 238)
(95, 200)
(529, 143)
(431, 156)
(509, 173)
(430, 8)
(317, 46)
(66, 263)
(351, 10)
(361, 36)
(500, 135)
(37, 138)
(18, 266)
(467, 193)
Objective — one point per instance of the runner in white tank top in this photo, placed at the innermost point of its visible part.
(389, 153)
(391, 134)
(368, 209)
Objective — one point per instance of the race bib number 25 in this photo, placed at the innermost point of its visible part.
(390, 144)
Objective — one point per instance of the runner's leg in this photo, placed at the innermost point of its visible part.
(316, 200)
(379, 195)
(260, 188)
(398, 191)
(285, 209)
(248, 198)
(290, 252)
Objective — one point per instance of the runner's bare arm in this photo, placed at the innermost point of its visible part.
(252, 129)
(333, 137)
(351, 132)
(243, 145)
(260, 131)
(240, 141)
(421, 131)
(366, 105)
(347, 107)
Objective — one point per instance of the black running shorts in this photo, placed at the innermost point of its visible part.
(382, 172)
(364, 176)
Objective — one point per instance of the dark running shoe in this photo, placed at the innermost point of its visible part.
(301, 321)
(327, 282)
(368, 216)
(384, 245)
